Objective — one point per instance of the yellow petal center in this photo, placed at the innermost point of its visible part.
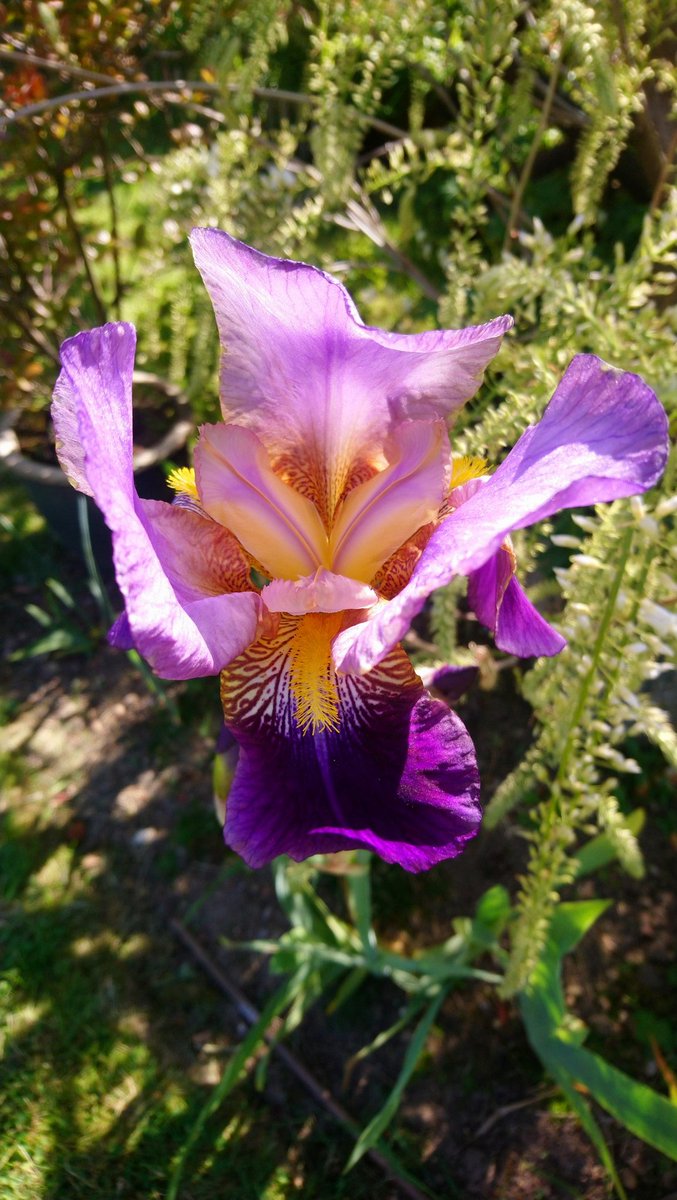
(312, 676)
(466, 468)
(182, 479)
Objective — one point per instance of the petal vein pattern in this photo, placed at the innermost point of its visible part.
(319, 387)
(238, 487)
(397, 774)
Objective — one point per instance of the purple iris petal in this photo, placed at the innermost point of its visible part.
(225, 741)
(452, 681)
(602, 436)
(500, 603)
(120, 635)
(302, 370)
(486, 586)
(184, 629)
(520, 629)
(398, 776)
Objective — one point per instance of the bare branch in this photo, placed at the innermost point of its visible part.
(74, 231)
(528, 167)
(172, 91)
(51, 64)
(317, 1091)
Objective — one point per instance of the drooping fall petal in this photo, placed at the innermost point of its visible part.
(182, 631)
(500, 603)
(450, 680)
(603, 436)
(520, 628)
(397, 775)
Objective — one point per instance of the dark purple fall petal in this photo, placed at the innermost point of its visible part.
(452, 681)
(603, 436)
(398, 777)
(120, 635)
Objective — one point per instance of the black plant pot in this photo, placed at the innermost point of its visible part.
(59, 502)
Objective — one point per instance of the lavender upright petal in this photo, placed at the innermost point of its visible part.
(322, 390)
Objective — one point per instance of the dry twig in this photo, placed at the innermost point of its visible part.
(312, 1085)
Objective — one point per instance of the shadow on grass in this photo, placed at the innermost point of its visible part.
(101, 1076)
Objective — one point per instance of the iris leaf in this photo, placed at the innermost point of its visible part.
(587, 1120)
(235, 1068)
(412, 1010)
(372, 1132)
(358, 884)
(557, 1040)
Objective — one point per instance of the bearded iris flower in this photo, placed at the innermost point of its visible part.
(322, 512)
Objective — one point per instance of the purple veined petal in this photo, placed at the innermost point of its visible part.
(398, 775)
(120, 635)
(378, 515)
(238, 487)
(603, 436)
(321, 389)
(500, 603)
(451, 680)
(520, 629)
(199, 557)
(181, 632)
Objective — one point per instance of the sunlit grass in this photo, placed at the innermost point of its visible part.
(99, 1079)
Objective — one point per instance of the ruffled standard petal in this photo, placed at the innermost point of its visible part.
(603, 436)
(397, 776)
(178, 623)
(321, 389)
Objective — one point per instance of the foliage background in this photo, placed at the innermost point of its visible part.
(448, 162)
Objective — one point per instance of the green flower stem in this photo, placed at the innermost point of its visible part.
(586, 684)
(550, 855)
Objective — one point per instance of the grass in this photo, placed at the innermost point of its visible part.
(103, 1062)
(98, 1079)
